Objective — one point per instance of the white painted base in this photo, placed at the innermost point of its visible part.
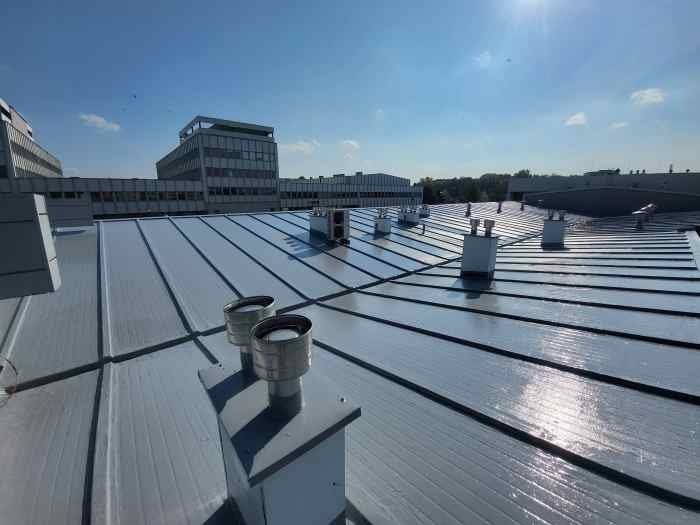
(479, 255)
(553, 232)
(382, 225)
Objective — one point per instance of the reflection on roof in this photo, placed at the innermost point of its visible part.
(565, 390)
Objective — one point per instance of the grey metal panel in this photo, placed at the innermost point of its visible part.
(58, 331)
(346, 253)
(138, 310)
(585, 269)
(411, 460)
(303, 278)
(369, 249)
(673, 329)
(611, 425)
(401, 237)
(248, 277)
(620, 298)
(44, 434)
(8, 308)
(637, 361)
(329, 266)
(199, 290)
(160, 460)
(598, 262)
(622, 281)
(598, 256)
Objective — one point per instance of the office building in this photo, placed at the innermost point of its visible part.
(20, 155)
(219, 166)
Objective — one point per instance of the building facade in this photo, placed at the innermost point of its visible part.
(220, 166)
(20, 155)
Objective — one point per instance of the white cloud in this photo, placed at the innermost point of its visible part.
(301, 146)
(484, 59)
(644, 97)
(618, 125)
(579, 119)
(95, 121)
(350, 147)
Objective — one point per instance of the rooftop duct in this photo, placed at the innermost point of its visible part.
(409, 215)
(644, 214)
(330, 224)
(283, 446)
(479, 253)
(554, 230)
(522, 205)
(240, 317)
(424, 211)
(28, 264)
(382, 222)
(468, 212)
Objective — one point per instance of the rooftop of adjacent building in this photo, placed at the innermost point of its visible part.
(9, 113)
(200, 122)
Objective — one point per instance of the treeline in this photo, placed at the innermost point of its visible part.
(488, 187)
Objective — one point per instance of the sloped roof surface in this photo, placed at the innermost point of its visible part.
(565, 390)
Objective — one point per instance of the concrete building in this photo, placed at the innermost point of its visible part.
(236, 163)
(609, 193)
(20, 155)
(220, 166)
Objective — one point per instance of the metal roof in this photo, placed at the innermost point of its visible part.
(565, 390)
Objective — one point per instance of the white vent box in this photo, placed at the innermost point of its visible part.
(331, 224)
(28, 264)
(553, 232)
(424, 211)
(479, 256)
(281, 471)
(409, 216)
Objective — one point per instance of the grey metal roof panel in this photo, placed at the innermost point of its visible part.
(302, 278)
(366, 248)
(379, 269)
(636, 361)
(649, 325)
(138, 310)
(247, 276)
(662, 272)
(585, 280)
(411, 460)
(653, 301)
(8, 310)
(634, 432)
(333, 268)
(199, 290)
(158, 456)
(58, 331)
(44, 439)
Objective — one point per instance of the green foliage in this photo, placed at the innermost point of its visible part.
(490, 186)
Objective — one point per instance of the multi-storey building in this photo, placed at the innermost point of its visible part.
(236, 163)
(220, 166)
(20, 155)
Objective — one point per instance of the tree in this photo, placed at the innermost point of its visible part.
(522, 174)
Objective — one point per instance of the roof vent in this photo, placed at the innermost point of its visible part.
(554, 230)
(283, 446)
(522, 205)
(409, 215)
(382, 222)
(644, 214)
(424, 211)
(479, 253)
(468, 212)
(240, 317)
(330, 224)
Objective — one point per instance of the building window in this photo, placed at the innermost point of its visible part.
(96, 196)
(55, 195)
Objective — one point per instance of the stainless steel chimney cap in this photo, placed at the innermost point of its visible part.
(241, 315)
(488, 226)
(282, 347)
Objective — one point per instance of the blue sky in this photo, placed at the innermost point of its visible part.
(439, 89)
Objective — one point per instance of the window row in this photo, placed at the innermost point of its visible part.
(229, 143)
(228, 190)
(245, 155)
(26, 154)
(251, 174)
(136, 196)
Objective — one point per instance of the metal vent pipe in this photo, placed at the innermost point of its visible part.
(281, 355)
(474, 223)
(488, 227)
(240, 317)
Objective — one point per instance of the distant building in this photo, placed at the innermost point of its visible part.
(609, 193)
(20, 155)
(220, 166)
